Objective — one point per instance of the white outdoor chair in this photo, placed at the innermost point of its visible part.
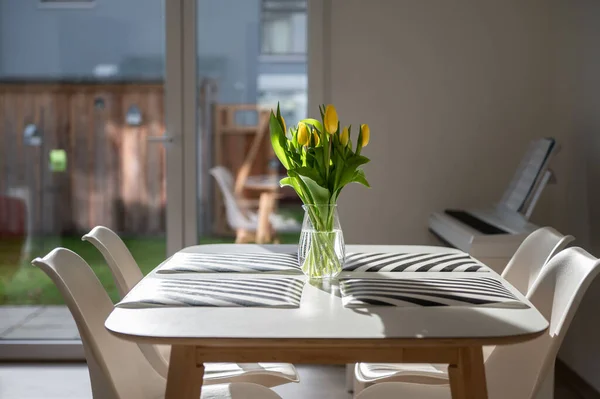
(525, 370)
(242, 219)
(127, 274)
(118, 370)
(522, 270)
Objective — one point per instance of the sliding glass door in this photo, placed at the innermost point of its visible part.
(113, 113)
(91, 127)
(251, 55)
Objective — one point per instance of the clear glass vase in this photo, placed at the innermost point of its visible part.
(321, 251)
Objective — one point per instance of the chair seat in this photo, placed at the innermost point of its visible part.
(241, 390)
(367, 373)
(266, 374)
(394, 390)
(238, 390)
(278, 372)
(280, 223)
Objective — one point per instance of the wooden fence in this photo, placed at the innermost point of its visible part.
(113, 177)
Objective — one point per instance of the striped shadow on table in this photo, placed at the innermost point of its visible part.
(287, 263)
(216, 292)
(462, 291)
(412, 262)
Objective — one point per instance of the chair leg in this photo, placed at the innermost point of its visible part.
(546, 390)
(358, 387)
(350, 377)
(265, 208)
(244, 236)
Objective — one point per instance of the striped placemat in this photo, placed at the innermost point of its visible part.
(463, 291)
(412, 262)
(220, 292)
(232, 263)
(287, 263)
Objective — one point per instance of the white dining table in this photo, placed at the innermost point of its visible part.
(322, 331)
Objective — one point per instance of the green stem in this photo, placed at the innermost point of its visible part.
(321, 259)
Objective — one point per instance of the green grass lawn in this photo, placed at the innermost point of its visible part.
(30, 286)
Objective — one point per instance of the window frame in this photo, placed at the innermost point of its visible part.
(66, 4)
(266, 11)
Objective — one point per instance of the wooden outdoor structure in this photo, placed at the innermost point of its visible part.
(113, 177)
(243, 148)
(12, 235)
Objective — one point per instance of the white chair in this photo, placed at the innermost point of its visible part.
(523, 370)
(522, 270)
(535, 251)
(243, 220)
(118, 370)
(127, 274)
(122, 265)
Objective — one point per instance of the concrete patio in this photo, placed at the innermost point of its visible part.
(37, 323)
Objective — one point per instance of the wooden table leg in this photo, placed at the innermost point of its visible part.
(467, 377)
(185, 374)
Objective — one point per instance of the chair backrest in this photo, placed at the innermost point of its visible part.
(557, 294)
(123, 266)
(235, 216)
(126, 274)
(118, 370)
(535, 251)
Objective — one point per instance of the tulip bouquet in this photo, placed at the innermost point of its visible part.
(321, 160)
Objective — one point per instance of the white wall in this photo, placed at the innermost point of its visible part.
(578, 94)
(453, 92)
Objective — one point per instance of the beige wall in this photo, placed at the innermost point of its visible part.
(453, 92)
(577, 86)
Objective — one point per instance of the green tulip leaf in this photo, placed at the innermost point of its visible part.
(311, 174)
(317, 193)
(359, 177)
(279, 141)
(313, 122)
(356, 160)
(286, 182)
(350, 168)
(294, 182)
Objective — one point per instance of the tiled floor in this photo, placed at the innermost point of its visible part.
(71, 381)
(37, 322)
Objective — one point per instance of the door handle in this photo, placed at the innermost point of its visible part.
(165, 138)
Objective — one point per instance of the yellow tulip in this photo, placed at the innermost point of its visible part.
(366, 134)
(303, 135)
(345, 137)
(316, 137)
(282, 121)
(331, 119)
